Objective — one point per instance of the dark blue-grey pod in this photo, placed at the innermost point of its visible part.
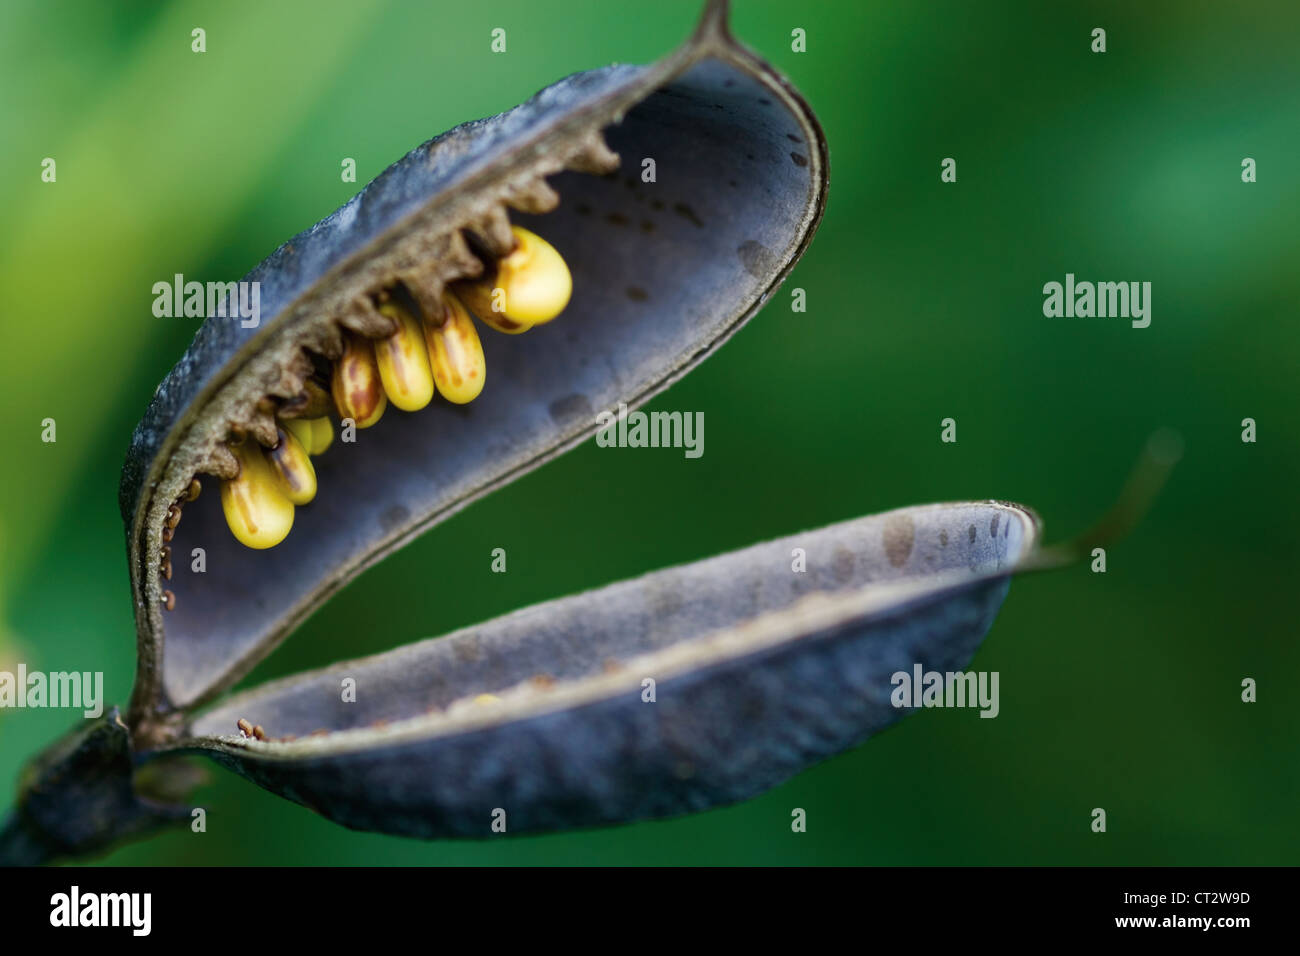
(663, 273)
(688, 688)
(684, 689)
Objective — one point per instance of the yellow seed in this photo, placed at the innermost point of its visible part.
(257, 511)
(314, 434)
(529, 286)
(358, 391)
(487, 699)
(293, 468)
(300, 428)
(322, 435)
(482, 309)
(455, 353)
(404, 361)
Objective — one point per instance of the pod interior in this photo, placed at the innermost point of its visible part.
(686, 618)
(663, 271)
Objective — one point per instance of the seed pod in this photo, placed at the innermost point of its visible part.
(293, 468)
(783, 668)
(786, 668)
(746, 193)
(357, 388)
(716, 253)
(257, 511)
(455, 353)
(528, 286)
(403, 361)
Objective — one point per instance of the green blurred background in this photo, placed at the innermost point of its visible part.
(1119, 690)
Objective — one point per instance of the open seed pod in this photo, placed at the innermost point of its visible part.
(684, 689)
(662, 273)
(680, 690)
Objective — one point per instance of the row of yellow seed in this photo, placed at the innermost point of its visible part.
(529, 286)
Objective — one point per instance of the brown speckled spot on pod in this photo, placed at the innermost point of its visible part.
(899, 536)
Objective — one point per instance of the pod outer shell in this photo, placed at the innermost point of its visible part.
(817, 681)
(712, 737)
(403, 223)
